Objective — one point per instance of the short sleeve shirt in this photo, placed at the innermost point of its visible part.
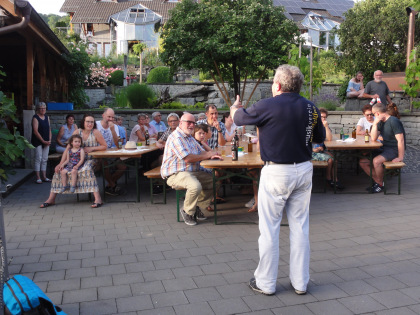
(178, 147)
(213, 141)
(388, 129)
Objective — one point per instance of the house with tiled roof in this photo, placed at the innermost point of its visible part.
(317, 19)
(117, 24)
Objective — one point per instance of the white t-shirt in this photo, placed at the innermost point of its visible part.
(364, 123)
(107, 134)
(133, 134)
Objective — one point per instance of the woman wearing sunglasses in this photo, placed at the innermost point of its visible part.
(366, 121)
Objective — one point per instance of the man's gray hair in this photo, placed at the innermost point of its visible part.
(155, 114)
(289, 77)
(172, 115)
(141, 115)
(379, 107)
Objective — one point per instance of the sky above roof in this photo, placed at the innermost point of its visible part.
(47, 6)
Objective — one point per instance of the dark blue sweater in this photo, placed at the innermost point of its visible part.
(287, 123)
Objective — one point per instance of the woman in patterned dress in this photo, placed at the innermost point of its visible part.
(86, 179)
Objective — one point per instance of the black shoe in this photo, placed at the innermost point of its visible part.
(298, 292)
(157, 190)
(111, 191)
(199, 215)
(376, 188)
(188, 219)
(253, 285)
(338, 185)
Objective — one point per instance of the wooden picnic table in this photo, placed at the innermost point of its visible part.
(246, 161)
(124, 156)
(358, 147)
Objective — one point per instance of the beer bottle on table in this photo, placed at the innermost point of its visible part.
(146, 137)
(353, 133)
(367, 136)
(342, 134)
(249, 145)
(119, 143)
(236, 138)
(234, 150)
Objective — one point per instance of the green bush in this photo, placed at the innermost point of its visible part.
(159, 75)
(173, 105)
(140, 96)
(116, 78)
(342, 94)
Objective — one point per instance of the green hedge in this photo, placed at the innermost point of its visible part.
(140, 96)
(159, 75)
(116, 78)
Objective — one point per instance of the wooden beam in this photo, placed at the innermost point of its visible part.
(8, 6)
(29, 74)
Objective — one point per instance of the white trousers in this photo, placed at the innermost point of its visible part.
(41, 158)
(288, 187)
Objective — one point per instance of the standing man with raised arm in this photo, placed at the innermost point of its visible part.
(287, 123)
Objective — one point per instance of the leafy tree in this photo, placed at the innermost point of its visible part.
(304, 65)
(231, 39)
(138, 51)
(79, 70)
(374, 36)
(412, 74)
(12, 145)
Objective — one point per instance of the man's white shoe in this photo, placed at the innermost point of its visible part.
(250, 203)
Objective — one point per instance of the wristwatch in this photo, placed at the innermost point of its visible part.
(219, 130)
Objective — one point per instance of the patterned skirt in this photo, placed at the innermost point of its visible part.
(86, 180)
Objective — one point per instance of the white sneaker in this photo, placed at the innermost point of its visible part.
(250, 203)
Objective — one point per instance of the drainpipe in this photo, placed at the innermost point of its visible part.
(411, 27)
(25, 9)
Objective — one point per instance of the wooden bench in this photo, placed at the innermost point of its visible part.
(53, 160)
(154, 176)
(321, 165)
(390, 168)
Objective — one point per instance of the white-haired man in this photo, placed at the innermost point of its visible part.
(181, 167)
(377, 88)
(157, 122)
(287, 123)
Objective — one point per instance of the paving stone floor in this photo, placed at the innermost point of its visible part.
(135, 258)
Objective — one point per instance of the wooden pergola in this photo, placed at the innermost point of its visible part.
(32, 57)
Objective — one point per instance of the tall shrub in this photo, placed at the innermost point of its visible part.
(117, 78)
(140, 96)
(160, 75)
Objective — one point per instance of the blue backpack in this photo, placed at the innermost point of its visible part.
(22, 296)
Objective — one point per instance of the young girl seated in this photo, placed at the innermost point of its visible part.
(74, 160)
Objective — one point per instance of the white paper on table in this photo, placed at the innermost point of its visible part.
(239, 154)
(347, 140)
(249, 135)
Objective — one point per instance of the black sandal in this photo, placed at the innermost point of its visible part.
(96, 205)
(46, 205)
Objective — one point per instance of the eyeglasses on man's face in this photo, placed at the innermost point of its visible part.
(189, 122)
(172, 121)
(369, 115)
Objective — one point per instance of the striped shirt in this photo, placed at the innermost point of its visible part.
(178, 146)
(213, 141)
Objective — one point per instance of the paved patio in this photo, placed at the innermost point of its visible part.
(134, 258)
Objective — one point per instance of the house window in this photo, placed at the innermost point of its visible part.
(135, 12)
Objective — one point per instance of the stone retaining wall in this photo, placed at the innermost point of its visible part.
(337, 120)
(211, 94)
